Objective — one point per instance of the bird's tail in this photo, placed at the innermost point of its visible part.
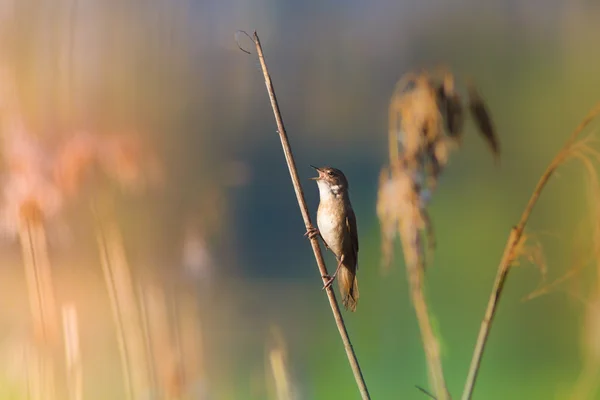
(348, 287)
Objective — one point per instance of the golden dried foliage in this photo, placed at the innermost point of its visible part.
(400, 210)
(583, 151)
(530, 248)
(426, 122)
(570, 149)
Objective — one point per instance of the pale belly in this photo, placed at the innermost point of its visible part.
(330, 227)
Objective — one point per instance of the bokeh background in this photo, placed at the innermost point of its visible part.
(208, 278)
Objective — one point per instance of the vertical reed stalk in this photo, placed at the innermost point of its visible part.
(179, 381)
(126, 315)
(509, 253)
(277, 363)
(145, 319)
(410, 239)
(72, 352)
(41, 296)
(291, 164)
(190, 331)
(163, 359)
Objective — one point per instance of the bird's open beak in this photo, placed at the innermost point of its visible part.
(316, 178)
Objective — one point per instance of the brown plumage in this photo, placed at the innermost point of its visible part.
(338, 229)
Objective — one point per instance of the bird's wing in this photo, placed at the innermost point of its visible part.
(351, 226)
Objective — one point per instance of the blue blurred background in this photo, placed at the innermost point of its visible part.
(224, 225)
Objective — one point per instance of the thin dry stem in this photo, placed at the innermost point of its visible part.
(276, 353)
(414, 269)
(166, 345)
(509, 252)
(190, 328)
(146, 330)
(178, 375)
(114, 305)
(554, 284)
(124, 306)
(287, 151)
(430, 342)
(587, 155)
(402, 199)
(42, 300)
(72, 352)
(39, 280)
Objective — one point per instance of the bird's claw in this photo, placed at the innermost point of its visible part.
(330, 280)
(311, 232)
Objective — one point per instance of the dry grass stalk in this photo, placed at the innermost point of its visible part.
(86, 163)
(587, 383)
(72, 352)
(39, 276)
(404, 200)
(35, 375)
(426, 120)
(191, 348)
(276, 353)
(146, 330)
(177, 379)
(570, 150)
(126, 314)
(164, 359)
(29, 200)
(287, 151)
(41, 296)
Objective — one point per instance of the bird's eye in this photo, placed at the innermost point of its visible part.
(329, 173)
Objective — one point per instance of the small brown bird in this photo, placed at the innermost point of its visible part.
(337, 228)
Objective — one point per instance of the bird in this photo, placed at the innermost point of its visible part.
(337, 228)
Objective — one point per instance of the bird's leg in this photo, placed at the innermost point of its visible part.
(332, 278)
(313, 232)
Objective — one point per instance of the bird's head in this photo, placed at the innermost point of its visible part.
(331, 181)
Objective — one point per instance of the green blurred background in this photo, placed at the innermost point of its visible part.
(172, 70)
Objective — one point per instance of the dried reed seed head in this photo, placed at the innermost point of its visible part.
(74, 161)
(453, 115)
(420, 121)
(125, 158)
(483, 120)
(31, 212)
(426, 122)
(400, 209)
(530, 248)
(129, 160)
(387, 214)
(430, 111)
(420, 115)
(448, 83)
(28, 188)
